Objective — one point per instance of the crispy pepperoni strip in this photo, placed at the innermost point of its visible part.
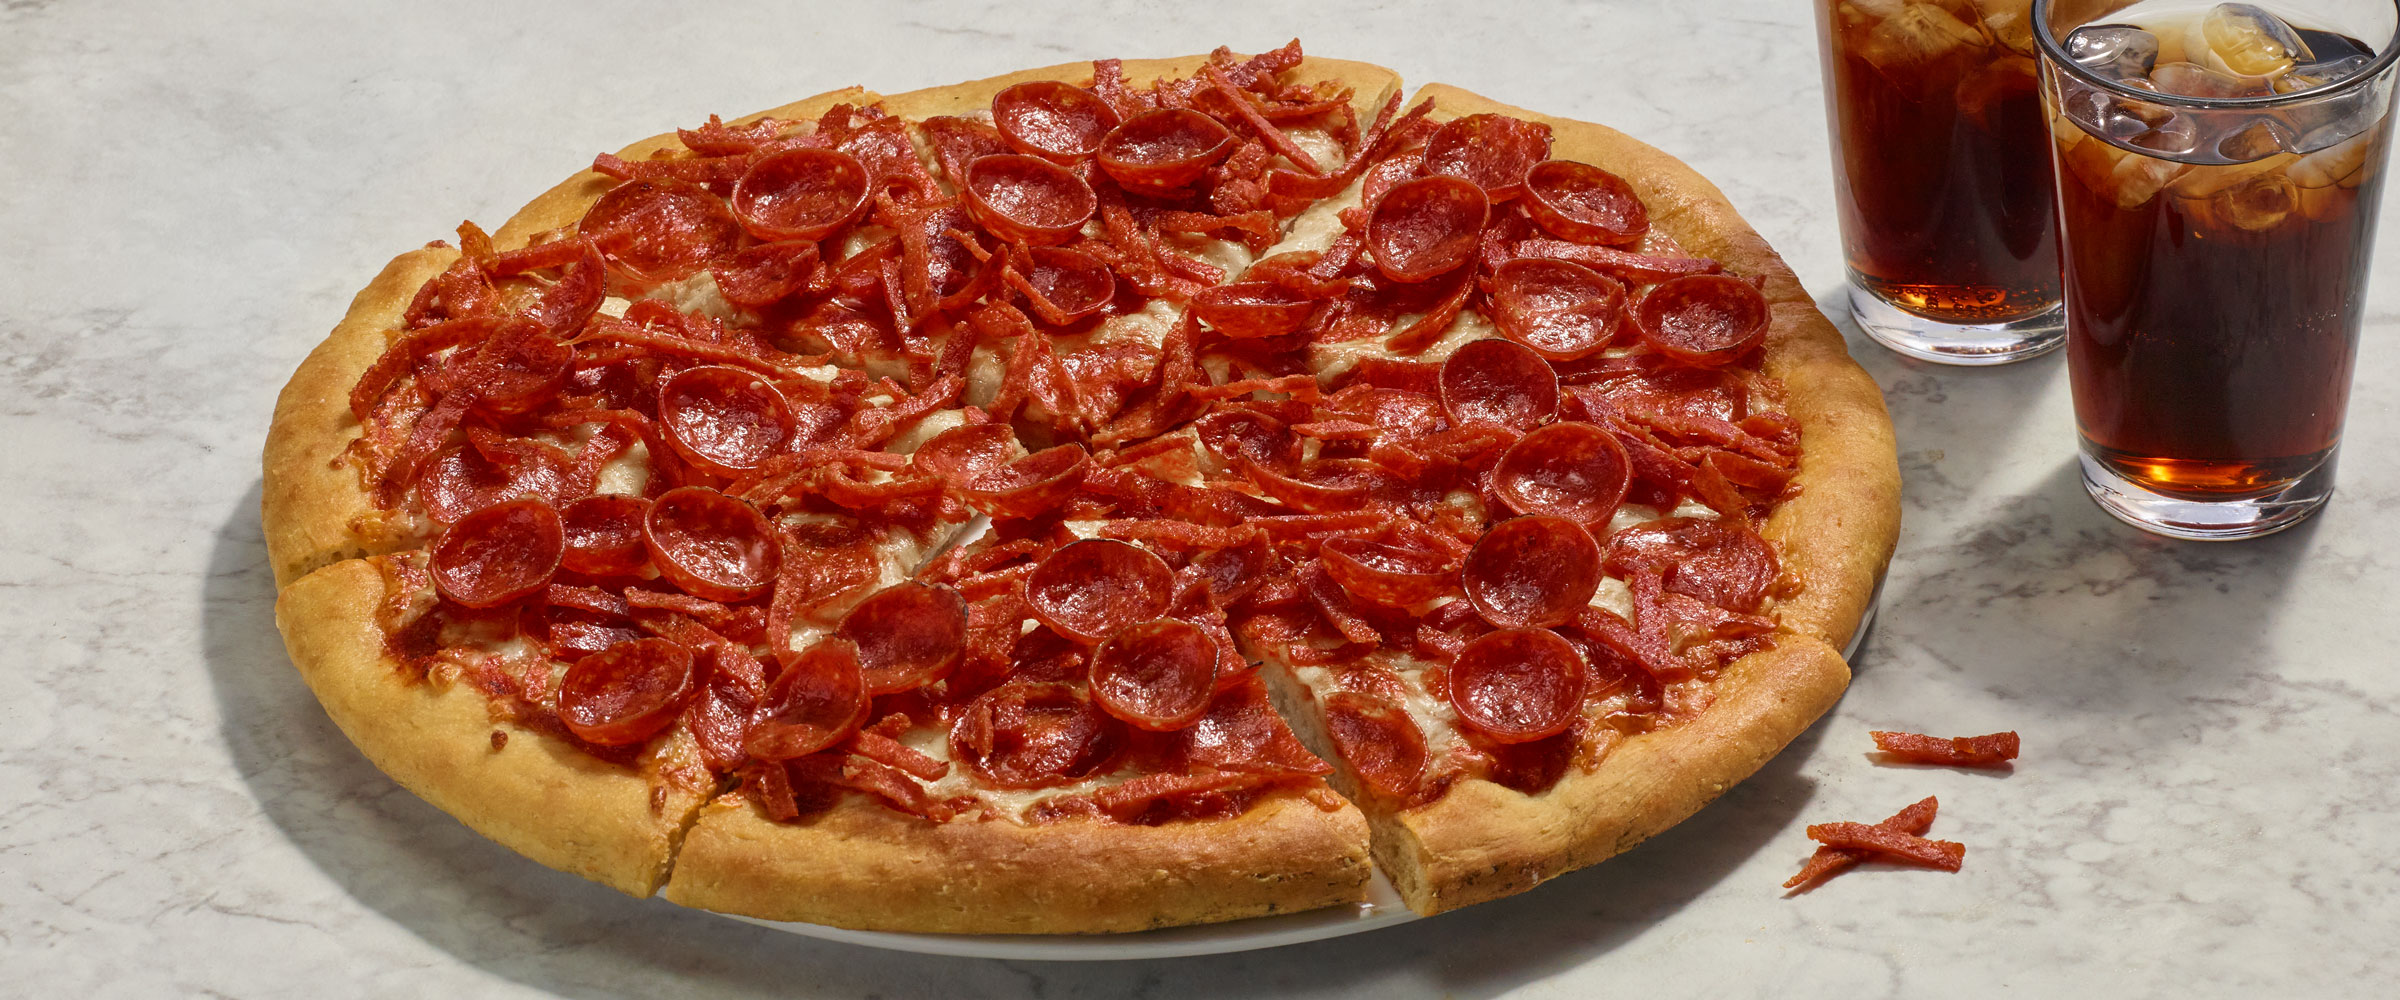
(1890, 844)
(1641, 269)
(1830, 861)
(1995, 750)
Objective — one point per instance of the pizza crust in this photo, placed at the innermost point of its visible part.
(866, 867)
(535, 795)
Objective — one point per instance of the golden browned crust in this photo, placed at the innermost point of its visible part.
(861, 865)
(534, 794)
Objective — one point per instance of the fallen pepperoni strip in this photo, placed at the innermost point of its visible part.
(1535, 571)
(499, 554)
(604, 535)
(661, 230)
(724, 420)
(1519, 684)
(1385, 574)
(1246, 310)
(1089, 589)
(627, 692)
(1426, 228)
(816, 701)
(966, 451)
(1561, 310)
(1027, 199)
(1892, 844)
(1059, 122)
(1029, 485)
(1493, 151)
(1830, 861)
(712, 545)
(800, 194)
(1064, 285)
(1378, 740)
(908, 635)
(1032, 735)
(1572, 470)
(1158, 675)
(1995, 750)
(1499, 381)
(1703, 320)
(1583, 203)
(1163, 149)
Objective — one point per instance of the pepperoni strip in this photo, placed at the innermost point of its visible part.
(1385, 574)
(1265, 130)
(1580, 202)
(1534, 571)
(1088, 590)
(1995, 750)
(908, 635)
(1830, 861)
(1641, 269)
(626, 693)
(499, 554)
(1518, 684)
(1703, 320)
(1572, 470)
(1891, 844)
(1158, 675)
(1426, 228)
(1246, 310)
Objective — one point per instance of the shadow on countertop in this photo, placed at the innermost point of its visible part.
(517, 920)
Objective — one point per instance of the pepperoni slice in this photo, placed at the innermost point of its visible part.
(800, 194)
(604, 535)
(966, 451)
(1379, 741)
(1501, 382)
(1231, 574)
(1723, 564)
(1583, 203)
(1426, 228)
(1032, 735)
(1493, 151)
(1572, 470)
(1534, 571)
(1703, 320)
(661, 230)
(1562, 310)
(1249, 309)
(499, 554)
(1235, 435)
(1385, 574)
(1029, 485)
(909, 635)
(1518, 684)
(1071, 284)
(1056, 121)
(1091, 588)
(463, 480)
(1241, 732)
(711, 545)
(1027, 199)
(1164, 149)
(723, 419)
(626, 693)
(530, 372)
(817, 700)
(768, 273)
(1157, 675)
(1327, 486)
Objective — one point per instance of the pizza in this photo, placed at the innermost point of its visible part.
(1109, 496)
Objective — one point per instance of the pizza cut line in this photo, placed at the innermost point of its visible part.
(1105, 497)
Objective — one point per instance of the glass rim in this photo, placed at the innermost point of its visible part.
(2055, 53)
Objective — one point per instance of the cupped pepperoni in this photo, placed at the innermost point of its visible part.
(1723, 564)
(1703, 320)
(1562, 310)
(1033, 735)
(1029, 485)
(661, 230)
(1056, 121)
(1378, 740)
(1163, 149)
(1231, 574)
(1493, 151)
(626, 693)
(966, 451)
(801, 194)
(1426, 228)
(1501, 382)
(712, 545)
(1091, 588)
(1583, 203)
(1027, 199)
(1157, 675)
(1535, 571)
(909, 635)
(1572, 470)
(1518, 684)
(1327, 486)
(817, 700)
(723, 419)
(499, 554)
(1071, 284)
(1248, 309)
(604, 535)
(1385, 574)
(1235, 435)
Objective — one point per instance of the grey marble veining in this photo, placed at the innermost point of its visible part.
(190, 192)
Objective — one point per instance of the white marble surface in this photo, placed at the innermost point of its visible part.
(190, 192)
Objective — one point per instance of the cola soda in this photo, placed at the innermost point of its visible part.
(2218, 175)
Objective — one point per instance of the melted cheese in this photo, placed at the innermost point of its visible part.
(628, 473)
(697, 295)
(917, 434)
(1315, 227)
(1331, 360)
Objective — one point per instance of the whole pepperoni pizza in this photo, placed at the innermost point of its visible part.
(1105, 497)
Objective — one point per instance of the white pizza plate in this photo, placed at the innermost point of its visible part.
(1382, 909)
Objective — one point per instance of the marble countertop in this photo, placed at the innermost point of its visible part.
(191, 192)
